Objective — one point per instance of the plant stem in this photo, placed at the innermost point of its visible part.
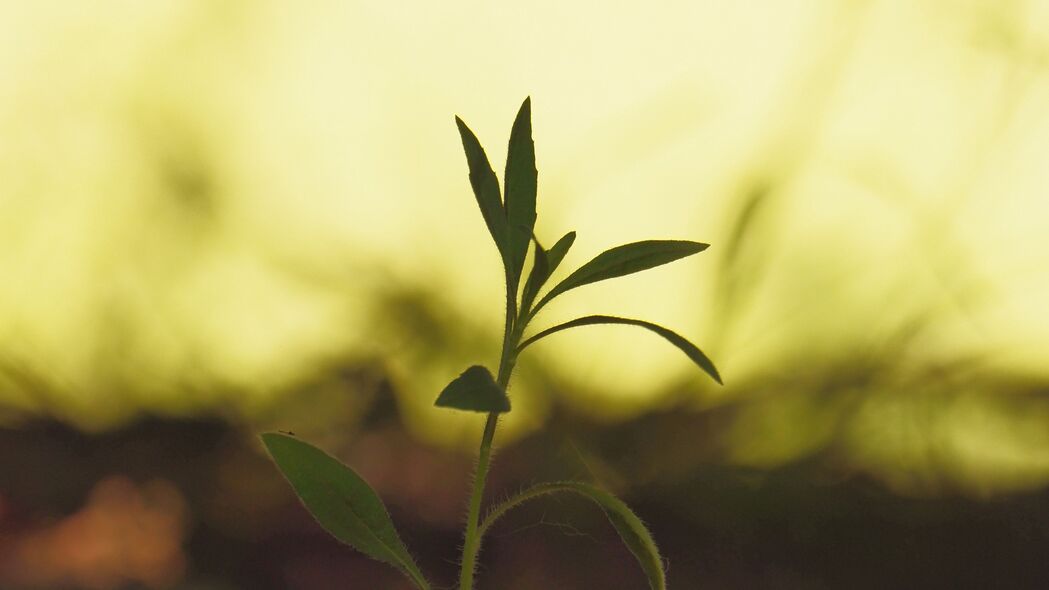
(507, 359)
(472, 544)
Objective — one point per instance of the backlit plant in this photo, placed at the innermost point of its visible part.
(347, 507)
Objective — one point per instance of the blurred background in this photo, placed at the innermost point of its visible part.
(222, 218)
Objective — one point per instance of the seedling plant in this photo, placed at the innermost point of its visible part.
(347, 507)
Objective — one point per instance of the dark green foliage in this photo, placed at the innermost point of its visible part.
(348, 508)
(520, 178)
(546, 262)
(625, 260)
(674, 338)
(475, 390)
(557, 253)
(343, 503)
(486, 188)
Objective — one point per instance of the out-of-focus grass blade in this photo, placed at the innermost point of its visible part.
(630, 528)
(486, 189)
(691, 350)
(342, 502)
(624, 260)
(520, 190)
(476, 391)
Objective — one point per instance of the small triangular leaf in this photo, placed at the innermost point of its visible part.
(342, 502)
(520, 191)
(485, 187)
(476, 391)
(624, 260)
(691, 350)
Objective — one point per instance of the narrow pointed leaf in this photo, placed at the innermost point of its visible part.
(485, 187)
(624, 260)
(520, 190)
(544, 267)
(476, 391)
(691, 350)
(556, 254)
(538, 275)
(342, 502)
(631, 530)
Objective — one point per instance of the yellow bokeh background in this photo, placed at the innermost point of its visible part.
(203, 203)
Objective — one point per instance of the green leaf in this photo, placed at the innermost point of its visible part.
(546, 262)
(475, 390)
(485, 187)
(677, 340)
(624, 260)
(557, 253)
(630, 528)
(538, 275)
(343, 503)
(520, 191)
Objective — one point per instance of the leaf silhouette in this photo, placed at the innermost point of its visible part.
(520, 191)
(546, 262)
(691, 350)
(342, 502)
(485, 187)
(476, 391)
(625, 260)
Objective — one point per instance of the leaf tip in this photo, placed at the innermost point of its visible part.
(270, 439)
(524, 117)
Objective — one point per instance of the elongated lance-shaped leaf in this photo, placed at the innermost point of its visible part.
(691, 350)
(546, 262)
(624, 260)
(630, 528)
(520, 191)
(476, 391)
(342, 502)
(486, 189)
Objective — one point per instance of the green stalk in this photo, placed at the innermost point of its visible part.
(472, 538)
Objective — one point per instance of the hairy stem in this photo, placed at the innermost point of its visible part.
(524, 496)
(472, 537)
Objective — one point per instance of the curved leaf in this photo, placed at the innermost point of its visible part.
(485, 187)
(342, 502)
(546, 262)
(520, 190)
(624, 260)
(475, 390)
(674, 338)
(630, 528)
